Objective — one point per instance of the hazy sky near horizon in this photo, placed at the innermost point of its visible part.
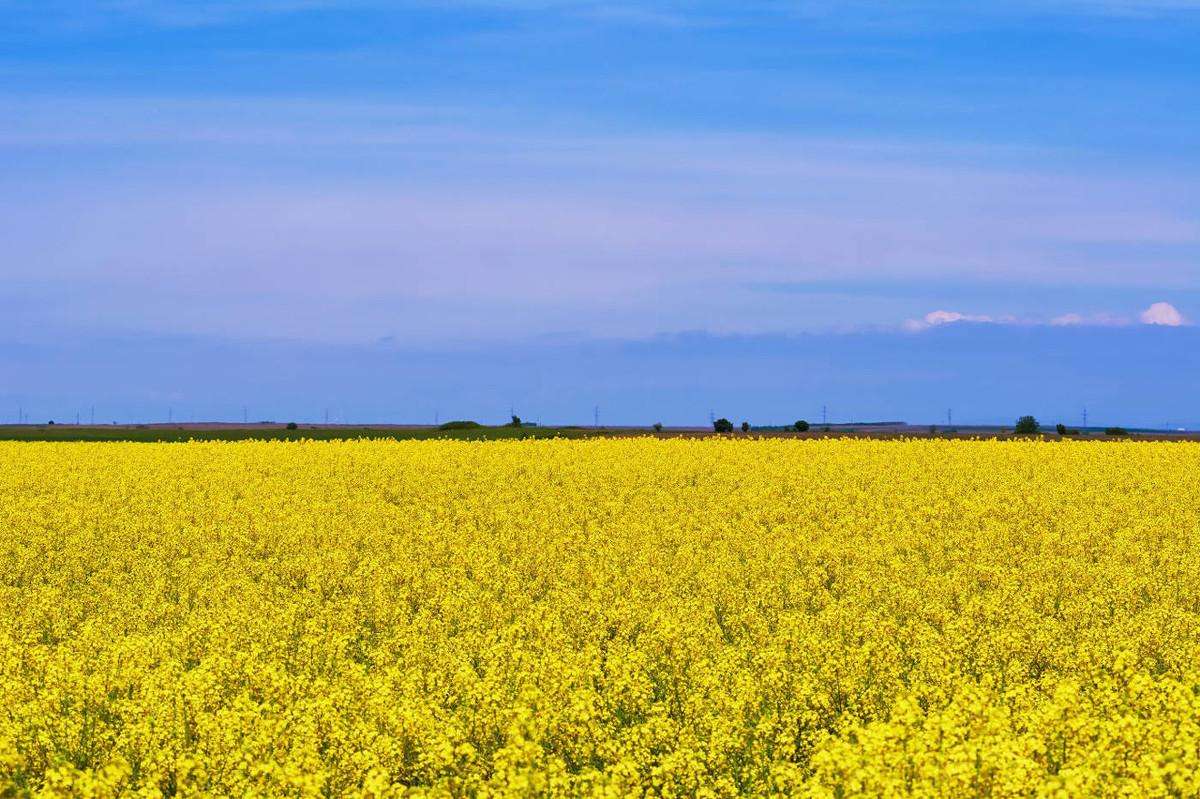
(422, 174)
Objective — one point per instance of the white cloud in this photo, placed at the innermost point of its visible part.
(1067, 320)
(946, 317)
(1092, 320)
(1162, 313)
(936, 318)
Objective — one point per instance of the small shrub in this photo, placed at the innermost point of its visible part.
(459, 424)
(801, 426)
(1061, 429)
(658, 427)
(292, 425)
(1115, 431)
(516, 421)
(723, 425)
(1027, 426)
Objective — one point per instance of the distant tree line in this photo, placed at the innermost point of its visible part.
(723, 425)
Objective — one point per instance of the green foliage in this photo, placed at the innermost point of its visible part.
(723, 425)
(1027, 426)
(658, 427)
(1115, 431)
(292, 426)
(801, 426)
(745, 427)
(62, 432)
(460, 424)
(516, 421)
(1061, 429)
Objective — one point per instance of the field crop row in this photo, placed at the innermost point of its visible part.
(611, 617)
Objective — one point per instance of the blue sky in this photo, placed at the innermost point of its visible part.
(465, 181)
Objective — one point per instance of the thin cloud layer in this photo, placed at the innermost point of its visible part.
(929, 13)
(1159, 313)
(498, 169)
(461, 230)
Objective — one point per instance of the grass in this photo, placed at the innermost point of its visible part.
(153, 433)
(279, 432)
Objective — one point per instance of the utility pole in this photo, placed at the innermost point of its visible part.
(596, 416)
(1085, 417)
(326, 416)
(93, 420)
(77, 419)
(170, 415)
(824, 415)
(949, 417)
(244, 415)
(712, 418)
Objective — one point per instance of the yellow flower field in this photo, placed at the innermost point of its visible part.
(609, 617)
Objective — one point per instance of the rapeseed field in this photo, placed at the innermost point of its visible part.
(617, 617)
